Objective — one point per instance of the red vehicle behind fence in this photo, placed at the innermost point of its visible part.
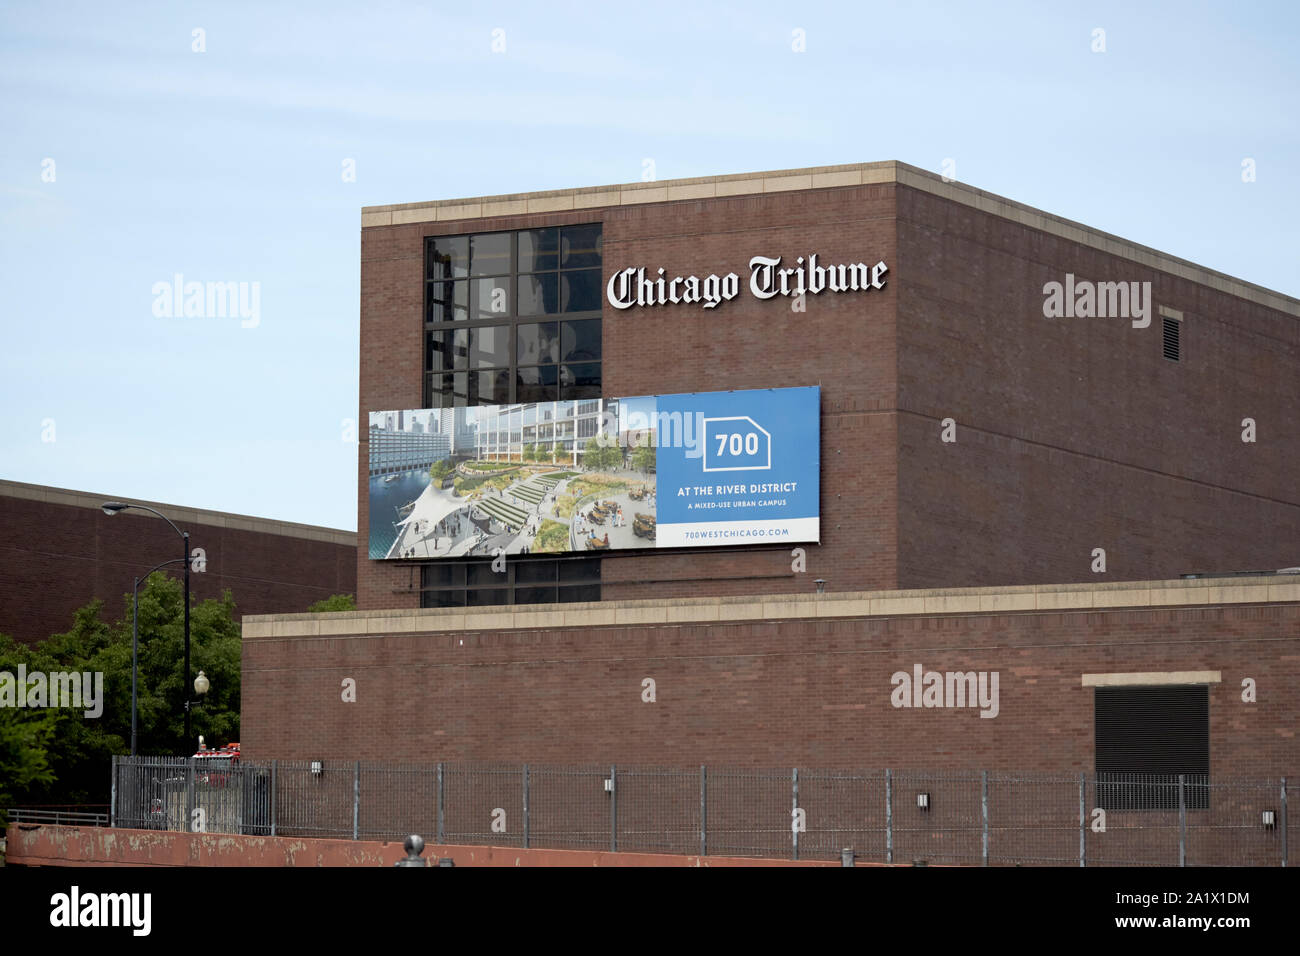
(212, 766)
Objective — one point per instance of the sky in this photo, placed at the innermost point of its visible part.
(213, 141)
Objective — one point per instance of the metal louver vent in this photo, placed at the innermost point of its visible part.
(1145, 738)
(1173, 328)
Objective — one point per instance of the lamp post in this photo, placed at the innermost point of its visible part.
(113, 507)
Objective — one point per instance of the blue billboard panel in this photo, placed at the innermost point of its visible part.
(660, 471)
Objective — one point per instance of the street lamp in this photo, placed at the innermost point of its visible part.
(113, 507)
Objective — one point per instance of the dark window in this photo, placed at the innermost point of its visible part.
(580, 341)
(447, 257)
(526, 580)
(537, 384)
(1145, 738)
(539, 294)
(505, 281)
(489, 346)
(1173, 331)
(538, 344)
(580, 291)
(539, 250)
(447, 302)
(489, 255)
(580, 246)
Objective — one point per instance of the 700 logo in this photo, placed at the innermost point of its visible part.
(736, 443)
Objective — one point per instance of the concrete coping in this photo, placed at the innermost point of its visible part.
(185, 517)
(818, 177)
(1181, 592)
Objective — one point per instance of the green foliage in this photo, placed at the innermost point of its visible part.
(441, 469)
(530, 453)
(77, 748)
(597, 456)
(643, 458)
(25, 737)
(551, 537)
(335, 602)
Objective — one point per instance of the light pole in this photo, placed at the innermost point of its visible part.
(113, 507)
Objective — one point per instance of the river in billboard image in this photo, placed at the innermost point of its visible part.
(388, 497)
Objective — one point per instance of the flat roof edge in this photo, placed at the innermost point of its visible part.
(181, 514)
(1038, 598)
(821, 177)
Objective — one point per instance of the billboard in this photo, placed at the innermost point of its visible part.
(589, 475)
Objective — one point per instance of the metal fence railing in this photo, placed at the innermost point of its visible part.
(975, 818)
(58, 817)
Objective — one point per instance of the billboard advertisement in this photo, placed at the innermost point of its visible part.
(703, 469)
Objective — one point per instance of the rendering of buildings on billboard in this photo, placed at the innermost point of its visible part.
(664, 471)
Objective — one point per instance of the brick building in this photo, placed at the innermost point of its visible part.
(1029, 431)
(59, 551)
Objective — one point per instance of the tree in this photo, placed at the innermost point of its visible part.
(25, 735)
(78, 748)
(643, 458)
(335, 602)
(441, 469)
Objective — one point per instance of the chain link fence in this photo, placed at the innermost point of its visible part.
(973, 818)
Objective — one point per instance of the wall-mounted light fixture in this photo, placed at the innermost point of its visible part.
(821, 585)
(923, 801)
(316, 767)
(1269, 819)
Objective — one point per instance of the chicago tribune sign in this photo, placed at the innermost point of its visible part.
(630, 287)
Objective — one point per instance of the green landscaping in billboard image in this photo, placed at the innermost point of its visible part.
(519, 479)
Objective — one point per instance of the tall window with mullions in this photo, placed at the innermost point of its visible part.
(513, 316)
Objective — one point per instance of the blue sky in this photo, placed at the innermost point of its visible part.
(226, 165)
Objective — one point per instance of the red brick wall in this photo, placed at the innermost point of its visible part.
(745, 343)
(55, 558)
(1073, 434)
(767, 694)
(1076, 433)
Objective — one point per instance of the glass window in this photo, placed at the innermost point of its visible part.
(447, 349)
(585, 570)
(538, 343)
(580, 291)
(539, 294)
(536, 595)
(489, 346)
(486, 596)
(584, 592)
(536, 384)
(580, 246)
(481, 573)
(448, 302)
(539, 250)
(490, 298)
(499, 278)
(535, 572)
(447, 257)
(489, 255)
(580, 381)
(442, 599)
(493, 388)
(444, 575)
(580, 341)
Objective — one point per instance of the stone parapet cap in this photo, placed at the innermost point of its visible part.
(1037, 598)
